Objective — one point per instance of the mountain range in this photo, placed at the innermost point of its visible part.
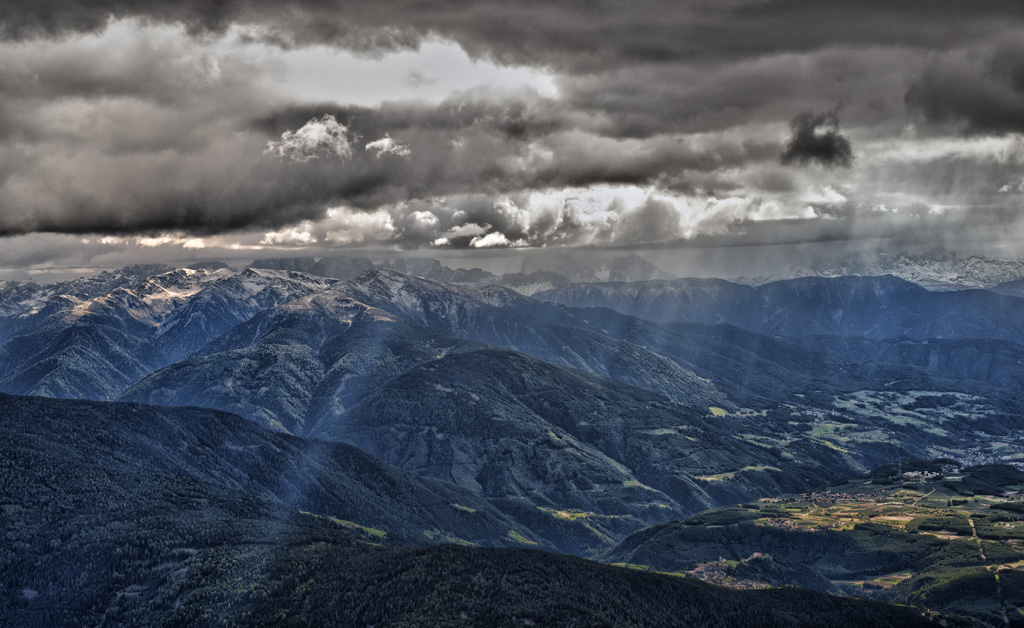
(876, 308)
(419, 411)
(936, 269)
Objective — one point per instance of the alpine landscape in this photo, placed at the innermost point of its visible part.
(572, 313)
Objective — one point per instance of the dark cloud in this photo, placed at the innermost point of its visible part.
(815, 138)
(979, 91)
(654, 221)
(577, 35)
(514, 115)
(130, 162)
(688, 97)
(520, 141)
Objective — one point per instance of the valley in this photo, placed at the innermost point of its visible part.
(935, 534)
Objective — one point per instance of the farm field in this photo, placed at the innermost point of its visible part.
(933, 534)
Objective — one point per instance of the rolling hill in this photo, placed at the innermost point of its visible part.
(132, 515)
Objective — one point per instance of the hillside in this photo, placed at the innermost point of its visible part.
(133, 515)
(80, 459)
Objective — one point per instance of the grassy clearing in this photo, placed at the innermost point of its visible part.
(519, 538)
(569, 515)
(636, 484)
(372, 532)
(719, 477)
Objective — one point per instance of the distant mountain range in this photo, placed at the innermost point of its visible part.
(868, 307)
(536, 274)
(937, 269)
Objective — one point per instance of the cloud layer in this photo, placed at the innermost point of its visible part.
(663, 123)
(568, 34)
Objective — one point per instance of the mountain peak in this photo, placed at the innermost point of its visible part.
(883, 281)
(500, 296)
(382, 274)
(337, 304)
(393, 282)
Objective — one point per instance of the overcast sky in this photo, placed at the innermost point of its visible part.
(139, 130)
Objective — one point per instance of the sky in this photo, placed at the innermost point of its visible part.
(135, 130)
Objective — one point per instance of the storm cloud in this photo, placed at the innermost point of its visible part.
(656, 124)
(569, 34)
(815, 138)
(979, 91)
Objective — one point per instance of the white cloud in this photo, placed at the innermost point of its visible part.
(298, 234)
(468, 229)
(825, 194)
(164, 239)
(494, 240)
(346, 226)
(387, 145)
(424, 219)
(320, 137)
(1012, 187)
